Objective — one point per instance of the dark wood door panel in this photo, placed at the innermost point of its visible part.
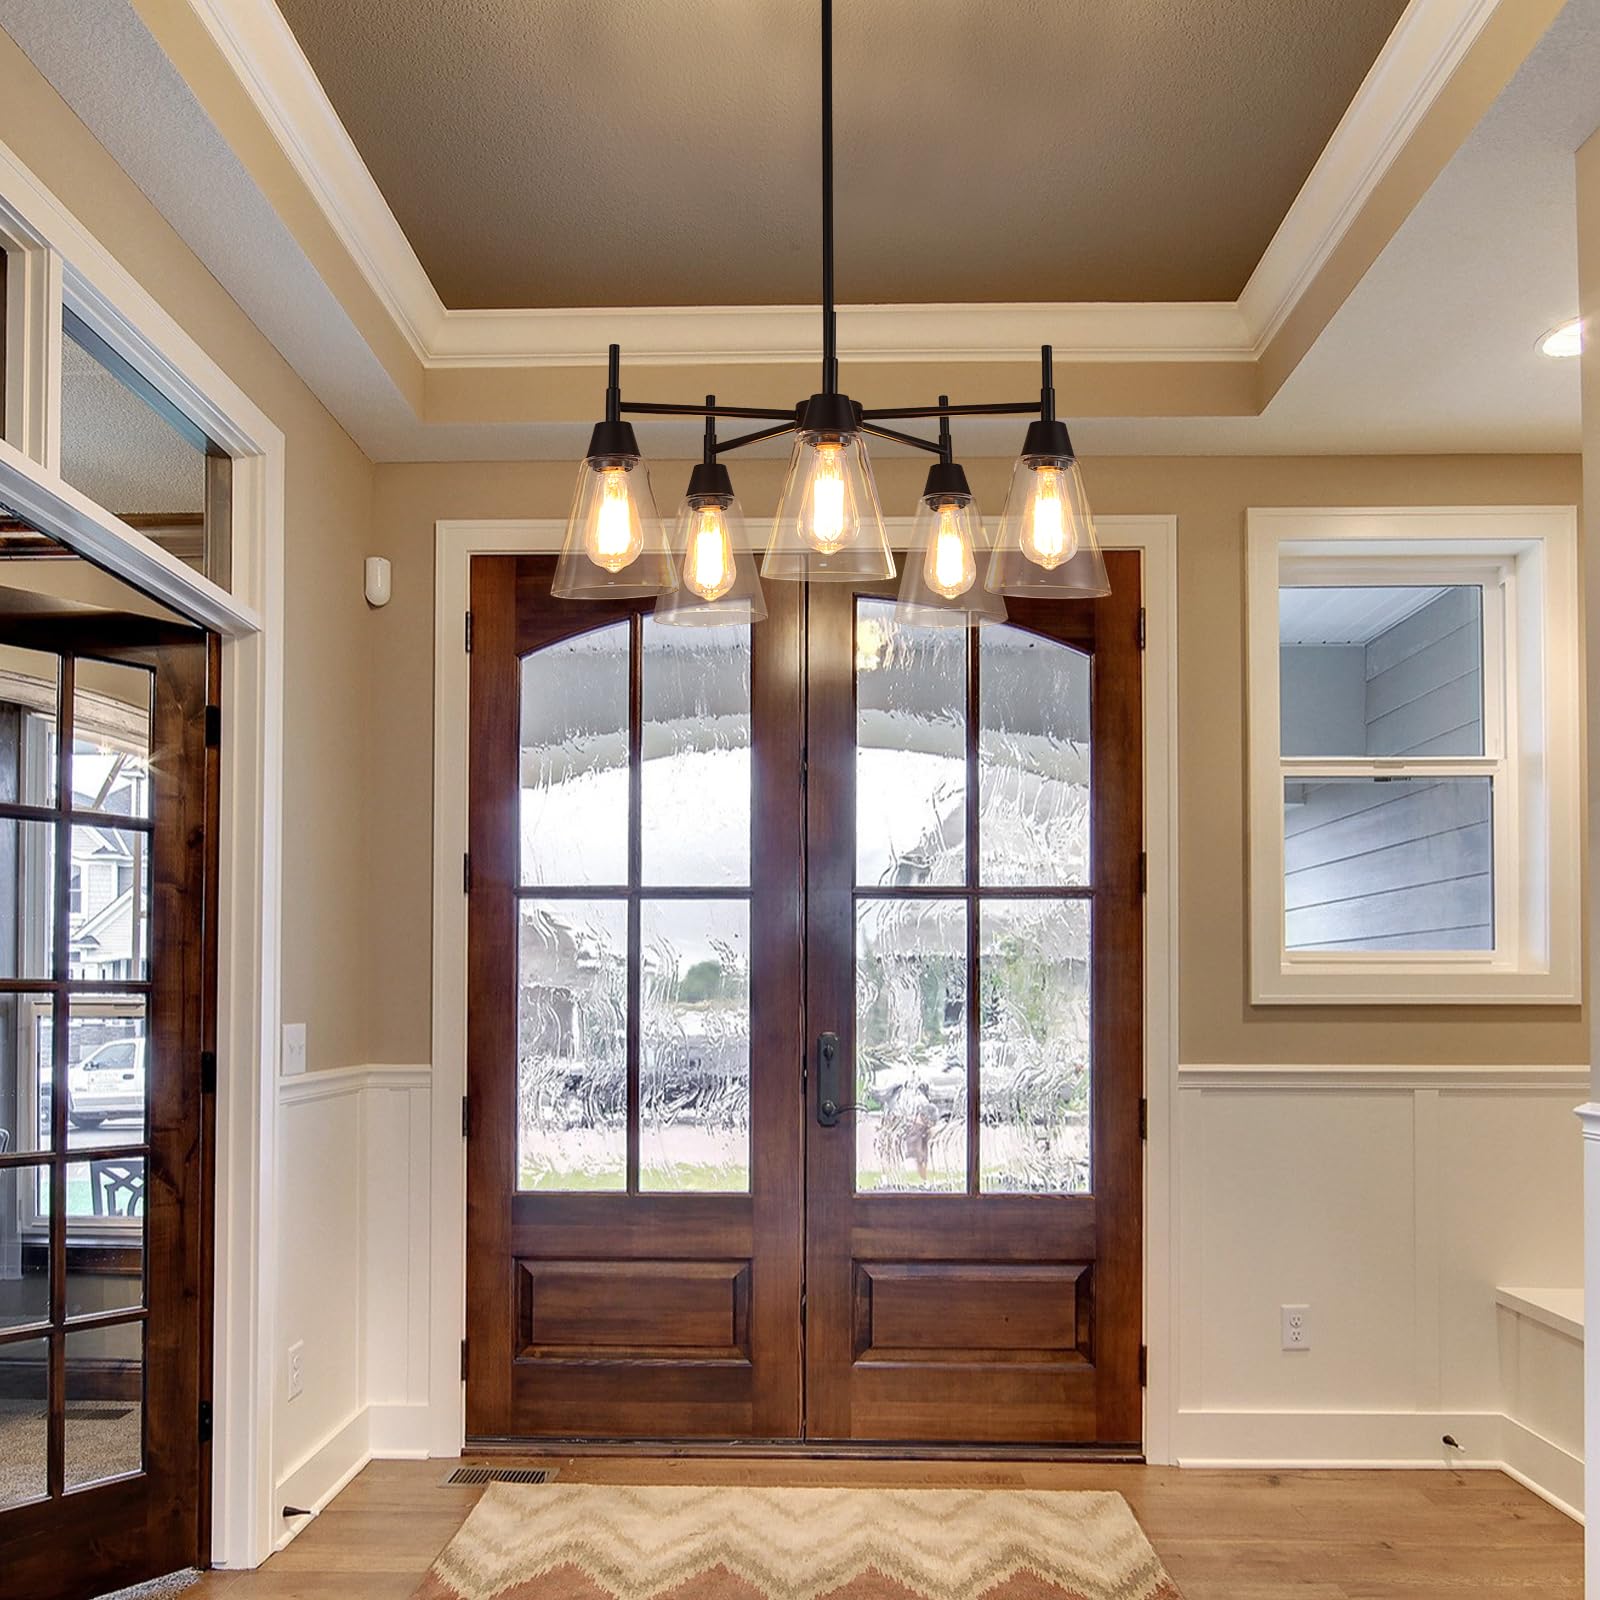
(966, 1312)
(630, 1314)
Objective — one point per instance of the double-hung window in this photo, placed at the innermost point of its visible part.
(1413, 738)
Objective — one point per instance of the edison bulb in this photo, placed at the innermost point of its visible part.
(950, 567)
(1048, 535)
(615, 535)
(708, 561)
(823, 522)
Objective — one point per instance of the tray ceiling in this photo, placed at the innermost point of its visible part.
(664, 152)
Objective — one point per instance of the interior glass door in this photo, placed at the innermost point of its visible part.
(104, 832)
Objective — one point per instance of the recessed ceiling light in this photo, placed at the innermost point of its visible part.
(1567, 340)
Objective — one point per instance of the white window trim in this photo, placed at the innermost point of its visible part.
(1526, 558)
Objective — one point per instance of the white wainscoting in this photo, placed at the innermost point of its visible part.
(352, 1229)
(1393, 1202)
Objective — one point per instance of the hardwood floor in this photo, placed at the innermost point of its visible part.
(1223, 1535)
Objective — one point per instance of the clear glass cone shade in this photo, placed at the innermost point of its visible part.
(829, 526)
(615, 544)
(1046, 543)
(940, 586)
(717, 582)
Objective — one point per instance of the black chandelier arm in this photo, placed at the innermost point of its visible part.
(830, 326)
(879, 432)
(663, 408)
(1002, 408)
(740, 440)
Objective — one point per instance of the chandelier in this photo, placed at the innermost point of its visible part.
(829, 525)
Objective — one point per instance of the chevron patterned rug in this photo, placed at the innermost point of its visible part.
(568, 1541)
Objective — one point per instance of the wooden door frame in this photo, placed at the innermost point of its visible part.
(456, 542)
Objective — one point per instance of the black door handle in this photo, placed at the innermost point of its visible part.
(830, 1093)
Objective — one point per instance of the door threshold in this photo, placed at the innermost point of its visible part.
(806, 1450)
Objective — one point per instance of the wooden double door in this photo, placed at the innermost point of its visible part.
(805, 1030)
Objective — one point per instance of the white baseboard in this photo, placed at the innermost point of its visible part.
(1413, 1440)
(314, 1480)
(399, 1432)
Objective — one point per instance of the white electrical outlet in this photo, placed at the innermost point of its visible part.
(1296, 1327)
(297, 1369)
(294, 1049)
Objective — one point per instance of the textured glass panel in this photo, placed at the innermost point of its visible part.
(574, 760)
(24, 1252)
(1034, 1054)
(694, 1070)
(911, 1045)
(695, 786)
(106, 1202)
(111, 738)
(1033, 760)
(572, 1044)
(28, 688)
(24, 1408)
(108, 922)
(1381, 671)
(911, 750)
(27, 899)
(106, 1077)
(105, 1403)
(1388, 864)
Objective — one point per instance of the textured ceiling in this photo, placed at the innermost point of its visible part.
(664, 152)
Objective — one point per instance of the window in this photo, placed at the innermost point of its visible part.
(1413, 756)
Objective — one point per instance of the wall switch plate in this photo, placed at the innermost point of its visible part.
(1296, 1327)
(296, 1374)
(294, 1049)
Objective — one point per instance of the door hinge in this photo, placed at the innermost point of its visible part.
(205, 1422)
(1144, 872)
(1144, 1119)
(213, 727)
(466, 1116)
(467, 633)
(208, 1072)
(466, 872)
(463, 1360)
(1141, 627)
(1144, 1366)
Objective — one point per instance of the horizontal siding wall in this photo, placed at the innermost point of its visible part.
(1402, 864)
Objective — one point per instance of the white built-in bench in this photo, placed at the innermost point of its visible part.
(1541, 1381)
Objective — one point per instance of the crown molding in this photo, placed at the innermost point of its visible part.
(1428, 44)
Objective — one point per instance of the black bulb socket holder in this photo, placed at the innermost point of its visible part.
(709, 484)
(1047, 437)
(947, 480)
(834, 416)
(614, 440)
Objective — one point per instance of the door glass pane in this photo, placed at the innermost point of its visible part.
(572, 1044)
(28, 688)
(1033, 760)
(911, 750)
(111, 738)
(132, 451)
(106, 1073)
(695, 783)
(574, 761)
(1034, 1056)
(694, 1067)
(24, 1252)
(105, 1403)
(911, 1045)
(27, 898)
(24, 1072)
(1390, 671)
(1389, 864)
(109, 896)
(24, 1411)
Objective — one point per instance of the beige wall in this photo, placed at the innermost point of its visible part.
(1209, 497)
(328, 513)
(1588, 184)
